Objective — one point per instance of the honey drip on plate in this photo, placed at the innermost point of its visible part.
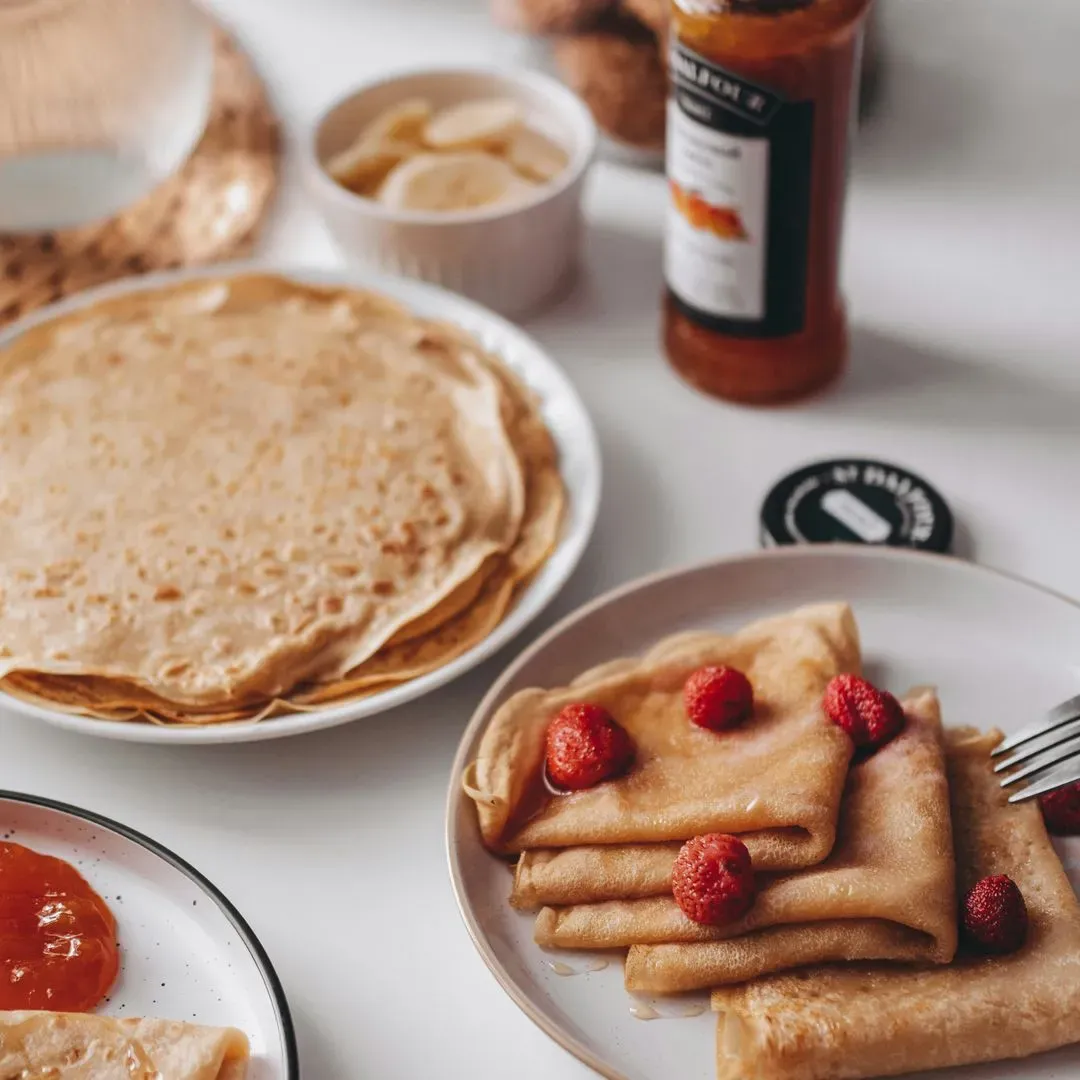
(565, 969)
(642, 1010)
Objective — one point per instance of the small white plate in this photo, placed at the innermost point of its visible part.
(999, 650)
(185, 952)
(563, 412)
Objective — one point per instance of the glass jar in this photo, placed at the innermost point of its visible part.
(100, 100)
(760, 118)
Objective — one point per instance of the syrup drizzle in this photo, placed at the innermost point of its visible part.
(595, 964)
(643, 1010)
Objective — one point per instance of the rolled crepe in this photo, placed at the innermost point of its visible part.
(887, 891)
(851, 1023)
(776, 779)
(559, 877)
(84, 1046)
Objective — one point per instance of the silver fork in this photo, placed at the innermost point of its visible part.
(1050, 746)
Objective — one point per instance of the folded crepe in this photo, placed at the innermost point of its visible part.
(559, 877)
(886, 892)
(776, 779)
(84, 1046)
(851, 1023)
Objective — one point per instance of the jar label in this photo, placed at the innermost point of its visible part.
(739, 162)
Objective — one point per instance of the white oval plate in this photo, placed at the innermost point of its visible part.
(566, 418)
(998, 649)
(185, 952)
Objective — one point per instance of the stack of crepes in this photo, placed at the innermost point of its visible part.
(246, 495)
(854, 861)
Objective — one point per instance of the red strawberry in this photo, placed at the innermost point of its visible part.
(713, 880)
(995, 915)
(586, 746)
(718, 697)
(1061, 810)
(870, 716)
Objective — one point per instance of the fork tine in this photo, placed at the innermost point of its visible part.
(1035, 746)
(1069, 773)
(1060, 714)
(1058, 755)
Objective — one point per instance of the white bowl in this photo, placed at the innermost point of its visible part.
(510, 258)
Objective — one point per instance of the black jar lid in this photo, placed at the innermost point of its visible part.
(856, 501)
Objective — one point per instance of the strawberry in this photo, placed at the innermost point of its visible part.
(713, 880)
(586, 746)
(870, 716)
(718, 697)
(1061, 810)
(995, 915)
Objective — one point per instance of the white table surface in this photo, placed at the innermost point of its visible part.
(963, 277)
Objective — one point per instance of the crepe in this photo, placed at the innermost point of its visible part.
(877, 846)
(850, 1023)
(449, 629)
(84, 1046)
(391, 665)
(590, 873)
(777, 779)
(909, 771)
(435, 453)
(597, 872)
(892, 867)
(352, 472)
(461, 622)
(886, 892)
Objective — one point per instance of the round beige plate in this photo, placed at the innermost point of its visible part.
(563, 412)
(999, 649)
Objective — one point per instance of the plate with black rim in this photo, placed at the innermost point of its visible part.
(185, 952)
(1000, 651)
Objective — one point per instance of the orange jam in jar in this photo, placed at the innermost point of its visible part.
(762, 104)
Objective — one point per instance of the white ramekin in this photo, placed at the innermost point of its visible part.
(511, 259)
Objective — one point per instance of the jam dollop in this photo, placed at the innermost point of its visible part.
(58, 946)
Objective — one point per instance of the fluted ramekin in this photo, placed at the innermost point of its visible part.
(510, 258)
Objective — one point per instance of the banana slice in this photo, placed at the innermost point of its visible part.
(403, 122)
(365, 165)
(390, 138)
(449, 182)
(535, 156)
(485, 124)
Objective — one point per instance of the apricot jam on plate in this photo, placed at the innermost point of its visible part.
(58, 946)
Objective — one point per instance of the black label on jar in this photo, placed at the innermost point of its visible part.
(739, 162)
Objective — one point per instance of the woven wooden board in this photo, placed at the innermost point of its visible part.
(211, 209)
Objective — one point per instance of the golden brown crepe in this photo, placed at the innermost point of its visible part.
(442, 635)
(909, 772)
(593, 873)
(85, 1046)
(405, 424)
(776, 780)
(886, 892)
(391, 665)
(854, 1022)
(892, 862)
(352, 471)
